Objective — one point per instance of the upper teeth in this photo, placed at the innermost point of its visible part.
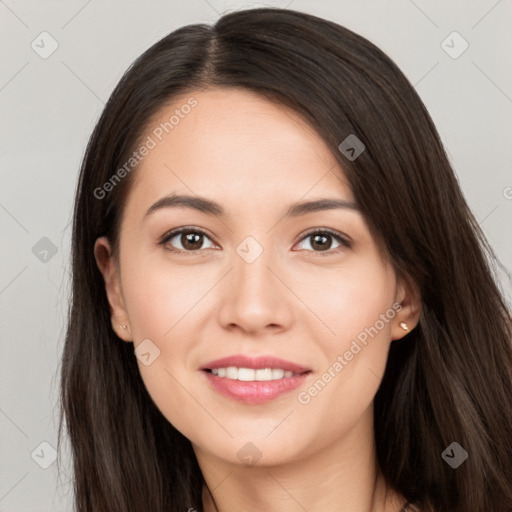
(246, 374)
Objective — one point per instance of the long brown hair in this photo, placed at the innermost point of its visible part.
(449, 380)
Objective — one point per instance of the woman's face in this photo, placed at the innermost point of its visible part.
(258, 282)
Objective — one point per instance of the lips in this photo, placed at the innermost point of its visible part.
(254, 391)
(241, 361)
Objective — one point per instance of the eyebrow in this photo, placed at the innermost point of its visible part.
(209, 207)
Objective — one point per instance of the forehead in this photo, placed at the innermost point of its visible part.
(234, 145)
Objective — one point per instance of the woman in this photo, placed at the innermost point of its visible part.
(281, 300)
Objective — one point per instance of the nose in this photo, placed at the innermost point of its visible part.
(255, 298)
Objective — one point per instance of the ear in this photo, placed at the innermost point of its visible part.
(409, 297)
(110, 270)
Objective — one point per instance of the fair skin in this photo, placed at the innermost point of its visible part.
(295, 301)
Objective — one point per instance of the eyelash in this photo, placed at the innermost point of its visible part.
(344, 242)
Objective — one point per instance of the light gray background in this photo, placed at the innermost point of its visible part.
(49, 107)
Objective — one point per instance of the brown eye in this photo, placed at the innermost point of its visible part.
(322, 241)
(186, 240)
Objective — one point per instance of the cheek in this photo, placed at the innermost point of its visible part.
(160, 306)
(348, 300)
(356, 306)
(159, 296)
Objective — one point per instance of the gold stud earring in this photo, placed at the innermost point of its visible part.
(403, 325)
